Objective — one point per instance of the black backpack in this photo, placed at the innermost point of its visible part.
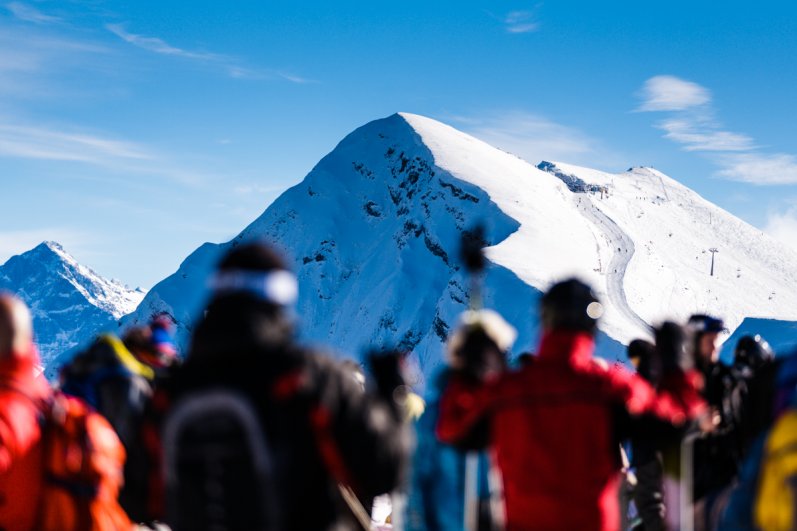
(218, 469)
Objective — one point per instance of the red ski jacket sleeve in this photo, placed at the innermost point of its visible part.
(676, 402)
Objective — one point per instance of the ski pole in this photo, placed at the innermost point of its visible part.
(687, 482)
(472, 255)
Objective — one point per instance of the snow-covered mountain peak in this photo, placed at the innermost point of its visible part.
(107, 294)
(51, 253)
(69, 301)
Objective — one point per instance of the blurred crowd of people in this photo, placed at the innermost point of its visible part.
(251, 430)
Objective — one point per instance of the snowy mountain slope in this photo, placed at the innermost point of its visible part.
(668, 271)
(374, 233)
(374, 230)
(69, 302)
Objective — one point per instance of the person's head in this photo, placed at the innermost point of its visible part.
(252, 292)
(706, 332)
(153, 344)
(638, 350)
(752, 352)
(641, 354)
(481, 341)
(570, 305)
(16, 327)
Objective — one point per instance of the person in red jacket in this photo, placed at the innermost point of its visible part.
(552, 426)
(20, 435)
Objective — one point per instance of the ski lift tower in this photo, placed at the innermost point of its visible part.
(713, 251)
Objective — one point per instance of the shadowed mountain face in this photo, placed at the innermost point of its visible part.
(69, 302)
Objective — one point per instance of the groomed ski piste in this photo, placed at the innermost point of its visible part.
(622, 248)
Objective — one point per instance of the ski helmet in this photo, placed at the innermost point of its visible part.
(752, 351)
(255, 269)
(705, 324)
(571, 305)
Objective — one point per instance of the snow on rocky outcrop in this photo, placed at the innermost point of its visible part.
(69, 302)
(373, 232)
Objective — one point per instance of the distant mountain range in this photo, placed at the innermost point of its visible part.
(373, 233)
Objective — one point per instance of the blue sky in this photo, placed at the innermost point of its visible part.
(132, 132)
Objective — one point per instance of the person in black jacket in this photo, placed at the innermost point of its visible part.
(333, 445)
(646, 454)
(755, 370)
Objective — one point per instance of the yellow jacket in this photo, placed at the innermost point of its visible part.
(777, 491)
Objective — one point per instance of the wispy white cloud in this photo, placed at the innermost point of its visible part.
(29, 13)
(783, 226)
(521, 22)
(536, 138)
(293, 78)
(670, 93)
(33, 142)
(34, 51)
(692, 125)
(758, 168)
(33, 61)
(154, 44)
(230, 65)
(703, 136)
(67, 144)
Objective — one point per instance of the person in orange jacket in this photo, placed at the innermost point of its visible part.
(20, 433)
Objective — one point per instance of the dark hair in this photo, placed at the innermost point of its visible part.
(640, 348)
(238, 323)
(252, 256)
(566, 306)
(703, 324)
(138, 339)
(648, 366)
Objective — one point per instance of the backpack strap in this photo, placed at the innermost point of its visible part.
(320, 420)
(127, 359)
(85, 386)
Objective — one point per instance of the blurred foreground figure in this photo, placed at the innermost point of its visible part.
(260, 433)
(60, 463)
(757, 371)
(776, 501)
(438, 498)
(116, 377)
(555, 424)
(20, 434)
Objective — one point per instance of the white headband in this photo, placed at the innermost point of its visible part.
(277, 287)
